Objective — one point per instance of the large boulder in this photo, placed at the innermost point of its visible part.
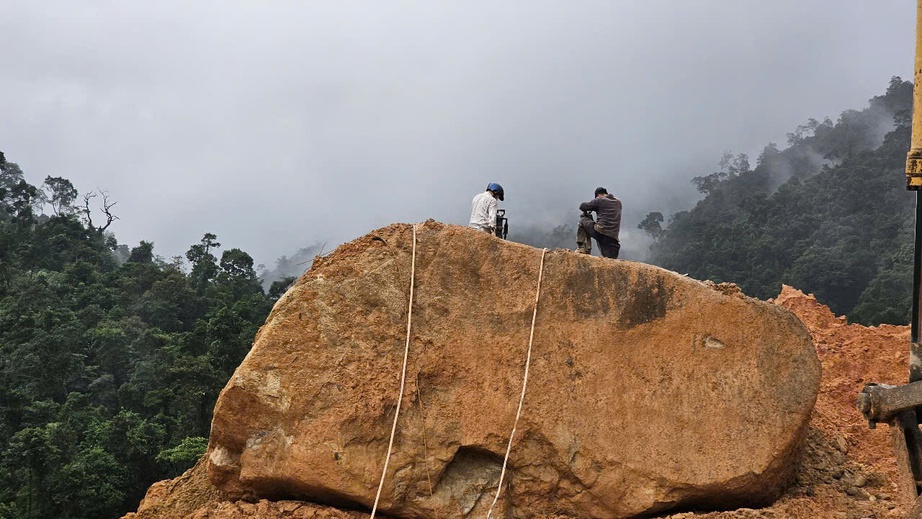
(647, 390)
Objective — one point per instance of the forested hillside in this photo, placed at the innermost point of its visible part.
(829, 214)
(110, 359)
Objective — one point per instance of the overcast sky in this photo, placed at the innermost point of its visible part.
(276, 124)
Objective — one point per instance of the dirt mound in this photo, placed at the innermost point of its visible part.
(191, 496)
(179, 497)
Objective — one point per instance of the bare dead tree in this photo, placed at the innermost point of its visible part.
(87, 212)
(107, 205)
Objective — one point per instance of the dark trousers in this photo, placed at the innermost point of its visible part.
(608, 246)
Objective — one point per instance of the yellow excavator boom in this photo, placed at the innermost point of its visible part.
(914, 159)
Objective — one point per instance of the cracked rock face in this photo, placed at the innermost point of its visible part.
(647, 391)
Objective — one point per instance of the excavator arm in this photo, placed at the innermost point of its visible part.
(914, 183)
(901, 406)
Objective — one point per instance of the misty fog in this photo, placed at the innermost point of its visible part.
(281, 125)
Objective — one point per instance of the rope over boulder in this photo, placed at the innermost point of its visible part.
(648, 391)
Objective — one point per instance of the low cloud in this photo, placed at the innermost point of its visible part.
(276, 125)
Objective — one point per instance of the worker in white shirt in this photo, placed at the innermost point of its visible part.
(483, 208)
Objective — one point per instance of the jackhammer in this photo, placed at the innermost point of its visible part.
(502, 224)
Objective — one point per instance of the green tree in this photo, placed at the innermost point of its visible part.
(91, 485)
(143, 253)
(279, 287)
(61, 194)
(652, 225)
(183, 456)
(204, 263)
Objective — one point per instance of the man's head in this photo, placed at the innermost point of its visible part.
(496, 189)
(600, 191)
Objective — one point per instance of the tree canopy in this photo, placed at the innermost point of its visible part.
(829, 215)
(110, 363)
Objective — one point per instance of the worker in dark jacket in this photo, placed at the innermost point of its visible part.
(605, 230)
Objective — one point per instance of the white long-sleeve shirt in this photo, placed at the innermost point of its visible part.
(483, 212)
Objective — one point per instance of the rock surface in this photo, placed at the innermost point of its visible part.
(840, 453)
(647, 391)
